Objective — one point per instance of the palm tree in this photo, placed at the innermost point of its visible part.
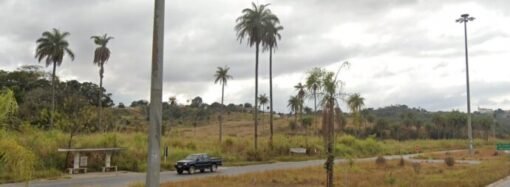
(313, 83)
(294, 103)
(52, 46)
(251, 24)
(301, 95)
(222, 77)
(263, 101)
(356, 102)
(271, 38)
(330, 91)
(101, 55)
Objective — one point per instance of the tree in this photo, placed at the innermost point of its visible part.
(300, 88)
(8, 105)
(313, 83)
(263, 101)
(196, 102)
(293, 104)
(52, 47)
(355, 102)
(252, 25)
(222, 77)
(330, 91)
(101, 55)
(270, 43)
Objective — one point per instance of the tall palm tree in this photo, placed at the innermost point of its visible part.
(294, 103)
(313, 84)
(52, 47)
(222, 77)
(251, 25)
(300, 88)
(101, 55)
(356, 102)
(270, 43)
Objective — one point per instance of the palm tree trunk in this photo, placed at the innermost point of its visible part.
(101, 97)
(53, 94)
(271, 96)
(256, 91)
(221, 112)
(315, 106)
(329, 121)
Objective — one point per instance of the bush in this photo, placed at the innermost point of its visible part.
(293, 125)
(307, 121)
(380, 161)
(416, 167)
(253, 155)
(402, 162)
(449, 161)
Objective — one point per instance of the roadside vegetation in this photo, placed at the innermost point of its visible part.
(390, 173)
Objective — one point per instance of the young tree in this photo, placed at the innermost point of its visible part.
(52, 47)
(251, 25)
(356, 102)
(222, 77)
(293, 104)
(101, 55)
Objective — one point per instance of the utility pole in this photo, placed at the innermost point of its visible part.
(464, 18)
(155, 115)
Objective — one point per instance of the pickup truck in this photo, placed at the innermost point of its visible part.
(195, 162)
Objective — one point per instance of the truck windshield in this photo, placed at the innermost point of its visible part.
(191, 157)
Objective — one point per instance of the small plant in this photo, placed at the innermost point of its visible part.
(402, 163)
(449, 161)
(351, 162)
(416, 167)
(496, 153)
(229, 142)
(380, 161)
(293, 125)
(391, 180)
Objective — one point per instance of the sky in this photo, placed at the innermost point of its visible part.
(400, 51)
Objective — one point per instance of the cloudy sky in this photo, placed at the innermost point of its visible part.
(401, 51)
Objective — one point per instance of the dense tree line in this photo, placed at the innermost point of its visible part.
(32, 90)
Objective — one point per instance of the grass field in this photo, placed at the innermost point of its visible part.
(369, 174)
(236, 148)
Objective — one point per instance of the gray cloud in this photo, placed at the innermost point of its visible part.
(200, 37)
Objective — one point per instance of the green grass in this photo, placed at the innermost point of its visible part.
(235, 150)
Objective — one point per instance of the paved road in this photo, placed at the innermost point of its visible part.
(505, 182)
(121, 179)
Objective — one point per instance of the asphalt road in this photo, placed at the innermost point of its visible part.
(121, 179)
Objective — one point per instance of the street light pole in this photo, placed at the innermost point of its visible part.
(464, 18)
(155, 115)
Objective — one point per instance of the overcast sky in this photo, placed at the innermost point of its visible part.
(401, 51)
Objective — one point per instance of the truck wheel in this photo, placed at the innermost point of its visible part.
(179, 171)
(214, 167)
(191, 170)
(202, 170)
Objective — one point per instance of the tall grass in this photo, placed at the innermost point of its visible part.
(235, 150)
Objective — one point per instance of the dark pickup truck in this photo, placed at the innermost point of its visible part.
(200, 162)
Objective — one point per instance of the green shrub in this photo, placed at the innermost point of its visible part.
(253, 155)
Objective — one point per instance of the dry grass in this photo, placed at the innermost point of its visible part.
(368, 174)
(483, 153)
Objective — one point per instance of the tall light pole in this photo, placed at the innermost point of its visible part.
(155, 115)
(464, 18)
